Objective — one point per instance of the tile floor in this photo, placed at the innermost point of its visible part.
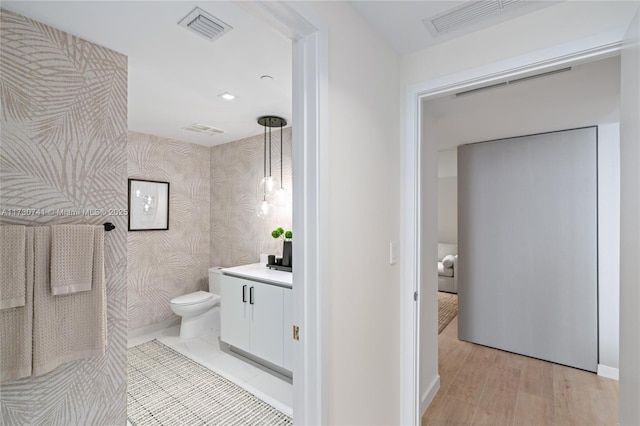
(205, 350)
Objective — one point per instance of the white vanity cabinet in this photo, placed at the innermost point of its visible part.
(256, 318)
(234, 312)
(265, 317)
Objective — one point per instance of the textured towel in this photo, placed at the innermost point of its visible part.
(12, 266)
(72, 252)
(69, 327)
(16, 326)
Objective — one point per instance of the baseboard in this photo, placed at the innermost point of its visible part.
(151, 328)
(608, 372)
(428, 395)
(273, 369)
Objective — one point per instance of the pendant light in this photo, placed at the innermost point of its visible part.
(267, 184)
(280, 195)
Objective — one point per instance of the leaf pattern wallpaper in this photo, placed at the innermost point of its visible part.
(63, 160)
(164, 264)
(238, 235)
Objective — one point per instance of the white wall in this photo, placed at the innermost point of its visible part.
(547, 27)
(608, 247)
(448, 196)
(447, 161)
(364, 169)
(539, 105)
(448, 210)
(629, 389)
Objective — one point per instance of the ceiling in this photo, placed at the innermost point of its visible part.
(401, 22)
(175, 76)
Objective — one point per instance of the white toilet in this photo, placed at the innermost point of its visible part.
(200, 311)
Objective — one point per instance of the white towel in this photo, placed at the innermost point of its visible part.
(16, 326)
(72, 252)
(68, 327)
(12, 266)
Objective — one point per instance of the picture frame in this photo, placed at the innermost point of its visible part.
(148, 204)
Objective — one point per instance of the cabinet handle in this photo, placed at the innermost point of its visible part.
(244, 293)
(251, 295)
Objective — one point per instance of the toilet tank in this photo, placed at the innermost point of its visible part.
(215, 276)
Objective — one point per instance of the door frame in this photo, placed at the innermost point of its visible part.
(309, 36)
(419, 236)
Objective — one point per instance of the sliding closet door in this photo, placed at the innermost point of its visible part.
(527, 243)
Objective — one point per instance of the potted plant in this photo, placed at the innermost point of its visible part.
(287, 237)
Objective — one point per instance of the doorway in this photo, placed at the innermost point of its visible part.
(420, 176)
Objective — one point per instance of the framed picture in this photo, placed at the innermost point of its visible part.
(148, 205)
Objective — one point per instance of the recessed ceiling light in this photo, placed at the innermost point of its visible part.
(227, 96)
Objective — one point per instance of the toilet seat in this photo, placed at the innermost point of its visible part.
(192, 298)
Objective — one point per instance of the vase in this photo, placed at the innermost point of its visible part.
(286, 254)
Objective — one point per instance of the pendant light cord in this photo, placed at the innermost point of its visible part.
(264, 163)
(270, 143)
(281, 187)
(267, 180)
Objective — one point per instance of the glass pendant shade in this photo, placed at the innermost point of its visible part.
(266, 189)
(268, 184)
(267, 193)
(264, 208)
(280, 197)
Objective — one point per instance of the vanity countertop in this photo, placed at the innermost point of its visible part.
(259, 272)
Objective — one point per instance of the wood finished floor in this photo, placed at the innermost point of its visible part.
(484, 386)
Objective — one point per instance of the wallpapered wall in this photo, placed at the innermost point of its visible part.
(166, 264)
(63, 146)
(238, 236)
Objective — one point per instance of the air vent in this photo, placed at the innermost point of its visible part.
(204, 24)
(514, 81)
(468, 14)
(482, 89)
(203, 129)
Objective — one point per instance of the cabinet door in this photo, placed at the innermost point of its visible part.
(266, 322)
(234, 312)
(288, 329)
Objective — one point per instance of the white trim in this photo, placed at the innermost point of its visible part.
(310, 220)
(310, 201)
(409, 337)
(287, 20)
(429, 394)
(590, 48)
(608, 372)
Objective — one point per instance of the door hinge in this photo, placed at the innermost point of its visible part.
(296, 332)
(415, 296)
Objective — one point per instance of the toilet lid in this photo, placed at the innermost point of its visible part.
(192, 298)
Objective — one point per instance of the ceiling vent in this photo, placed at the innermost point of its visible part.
(468, 14)
(514, 81)
(203, 129)
(205, 24)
